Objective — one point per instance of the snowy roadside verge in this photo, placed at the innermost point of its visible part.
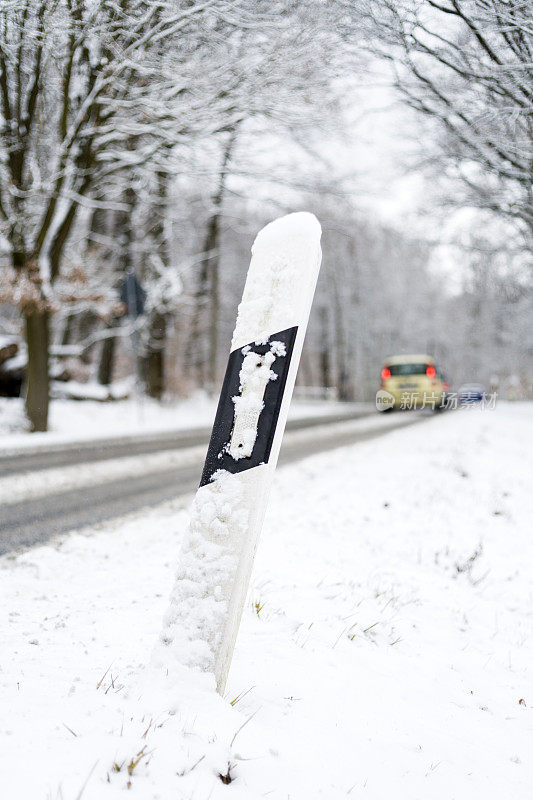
(384, 652)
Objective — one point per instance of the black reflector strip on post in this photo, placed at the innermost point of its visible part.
(217, 455)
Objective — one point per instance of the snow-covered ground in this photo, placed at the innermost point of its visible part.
(386, 650)
(78, 421)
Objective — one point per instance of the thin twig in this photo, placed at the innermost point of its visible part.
(242, 726)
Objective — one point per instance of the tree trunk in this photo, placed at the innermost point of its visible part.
(325, 354)
(155, 358)
(340, 347)
(304, 376)
(202, 352)
(107, 358)
(86, 323)
(37, 380)
(194, 353)
(207, 300)
(67, 330)
(214, 310)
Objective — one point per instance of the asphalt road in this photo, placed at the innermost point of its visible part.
(34, 520)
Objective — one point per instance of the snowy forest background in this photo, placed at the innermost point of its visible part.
(158, 137)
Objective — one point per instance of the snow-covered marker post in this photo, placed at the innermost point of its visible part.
(217, 555)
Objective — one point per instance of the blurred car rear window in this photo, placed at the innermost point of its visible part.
(407, 369)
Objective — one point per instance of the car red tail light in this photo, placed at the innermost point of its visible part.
(431, 371)
(385, 374)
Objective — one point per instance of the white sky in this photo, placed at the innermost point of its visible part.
(369, 158)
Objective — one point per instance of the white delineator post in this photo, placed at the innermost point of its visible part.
(217, 555)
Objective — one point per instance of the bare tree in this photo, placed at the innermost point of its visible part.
(77, 81)
(468, 67)
(285, 81)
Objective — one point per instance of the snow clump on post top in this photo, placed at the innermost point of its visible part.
(277, 288)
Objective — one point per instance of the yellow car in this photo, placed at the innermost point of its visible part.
(410, 381)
